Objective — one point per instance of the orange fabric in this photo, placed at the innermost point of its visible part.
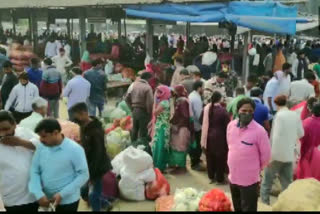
(279, 61)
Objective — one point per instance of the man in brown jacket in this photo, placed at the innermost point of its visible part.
(140, 100)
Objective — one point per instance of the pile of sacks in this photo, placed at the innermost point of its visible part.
(118, 123)
(301, 195)
(190, 199)
(139, 180)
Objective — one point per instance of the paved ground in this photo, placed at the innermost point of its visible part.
(198, 180)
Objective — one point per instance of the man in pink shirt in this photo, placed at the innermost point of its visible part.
(249, 153)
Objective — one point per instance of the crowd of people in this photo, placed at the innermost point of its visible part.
(193, 107)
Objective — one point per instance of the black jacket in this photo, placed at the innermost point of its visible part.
(93, 141)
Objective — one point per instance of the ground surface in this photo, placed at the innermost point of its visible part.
(198, 180)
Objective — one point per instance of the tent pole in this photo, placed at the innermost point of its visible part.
(82, 20)
(125, 27)
(13, 22)
(68, 27)
(149, 38)
(245, 70)
(188, 29)
(119, 28)
(34, 29)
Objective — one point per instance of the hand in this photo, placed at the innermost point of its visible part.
(11, 141)
(44, 202)
(56, 199)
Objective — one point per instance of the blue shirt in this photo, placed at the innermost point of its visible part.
(61, 169)
(98, 80)
(261, 112)
(35, 76)
(77, 90)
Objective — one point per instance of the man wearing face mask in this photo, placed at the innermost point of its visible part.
(21, 97)
(249, 153)
(16, 150)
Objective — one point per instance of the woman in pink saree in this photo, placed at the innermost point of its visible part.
(308, 166)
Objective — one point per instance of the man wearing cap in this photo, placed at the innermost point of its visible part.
(21, 98)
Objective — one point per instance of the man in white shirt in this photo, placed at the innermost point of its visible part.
(21, 98)
(284, 87)
(51, 48)
(16, 151)
(251, 82)
(300, 66)
(216, 83)
(302, 89)
(62, 61)
(271, 91)
(77, 90)
(39, 106)
(196, 107)
(286, 130)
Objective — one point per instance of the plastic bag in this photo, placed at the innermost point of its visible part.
(108, 67)
(70, 130)
(132, 186)
(117, 114)
(215, 201)
(187, 199)
(123, 106)
(159, 187)
(165, 203)
(136, 160)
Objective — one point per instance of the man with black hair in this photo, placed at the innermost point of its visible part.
(98, 81)
(300, 66)
(77, 90)
(34, 72)
(21, 97)
(251, 82)
(51, 87)
(17, 145)
(261, 112)
(93, 141)
(285, 82)
(216, 83)
(139, 98)
(249, 152)
(3, 59)
(196, 104)
(9, 81)
(59, 169)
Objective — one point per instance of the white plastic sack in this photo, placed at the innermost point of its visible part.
(109, 67)
(132, 186)
(137, 161)
(2, 209)
(117, 114)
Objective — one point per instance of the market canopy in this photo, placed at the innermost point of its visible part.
(271, 17)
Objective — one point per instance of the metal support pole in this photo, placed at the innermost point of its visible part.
(245, 67)
(119, 28)
(13, 22)
(82, 21)
(68, 28)
(149, 38)
(34, 30)
(125, 27)
(188, 29)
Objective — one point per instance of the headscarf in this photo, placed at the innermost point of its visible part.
(180, 91)
(165, 93)
(85, 57)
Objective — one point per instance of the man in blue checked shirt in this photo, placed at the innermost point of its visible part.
(59, 169)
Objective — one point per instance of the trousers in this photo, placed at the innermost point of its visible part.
(245, 199)
(140, 124)
(27, 208)
(53, 108)
(285, 172)
(195, 153)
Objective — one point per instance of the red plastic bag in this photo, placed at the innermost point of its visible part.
(215, 201)
(157, 188)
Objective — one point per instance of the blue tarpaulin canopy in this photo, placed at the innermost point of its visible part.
(271, 17)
